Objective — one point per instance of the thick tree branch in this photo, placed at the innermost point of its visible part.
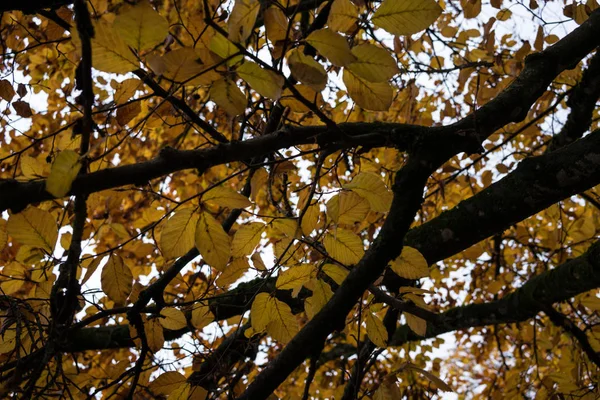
(582, 102)
(17, 195)
(559, 284)
(567, 171)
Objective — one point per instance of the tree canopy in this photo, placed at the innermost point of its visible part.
(297, 199)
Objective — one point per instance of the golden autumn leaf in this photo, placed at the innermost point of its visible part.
(226, 197)
(347, 207)
(246, 239)
(178, 233)
(373, 63)
(15, 276)
(116, 279)
(305, 69)
(234, 271)
(64, 170)
(274, 316)
(343, 15)
(344, 246)
(33, 227)
(91, 265)
(155, 336)
(416, 324)
(226, 94)
(111, 52)
(310, 219)
(128, 112)
(242, 18)
(410, 264)
(3, 234)
(293, 278)
(335, 272)
(213, 243)
(141, 27)
(201, 316)
(332, 46)
(267, 83)
(376, 330)
(370, 187)
(321, 295)
(172, 318)
(406, 17)
(276, 24)
(167, 383)
(375, 96)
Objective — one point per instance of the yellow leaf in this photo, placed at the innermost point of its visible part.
(335, 272)
(116, 279)
(258, 262)
(177, 235)
(344, 246)
(373, 63)
(376, 96)
(3, 234)
(376, 330)
(503, 14)
(33, 168)
(295, 277)
(406, 17)
(305, 69)
(290, 100)
(212, 242)
(410, 264)
(342, 16)
(582, 229)
(127, 89)
(388, 390)
(197, 393)
(440, 384)
(246, 239)
(223, 47)
(242, 19)
(276, 24)
(332, 46)
(128, 112)
(273, 315)
(416, 324)
(226, 197)
(259, 312)
(371, 187)
(321, 295)
(141, 27)
(234, 271)
(172, 318)
(181, 393)
(347, 208)
(227, 95)
(283, 325)
(154, 334)
(91, 265)
(310, 219)
(111, 52)
(167, 383)
(8, 341)
(189, 65)
(202, 316)
(13, 276)
(266, 83)
(33, 227)
(64, 170)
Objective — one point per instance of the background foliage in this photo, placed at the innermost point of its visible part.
(294, 199)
